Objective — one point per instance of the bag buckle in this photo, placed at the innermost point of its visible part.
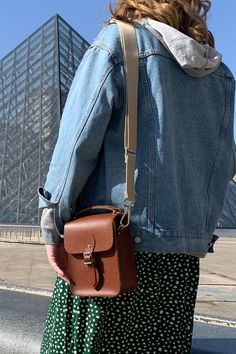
(88, 257)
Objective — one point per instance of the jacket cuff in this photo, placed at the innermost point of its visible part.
(49, 233)
(44, 200)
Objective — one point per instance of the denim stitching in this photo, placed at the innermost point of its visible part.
(223, 128)
(151, 147)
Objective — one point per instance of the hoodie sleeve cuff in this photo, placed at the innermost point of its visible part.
(49, 233)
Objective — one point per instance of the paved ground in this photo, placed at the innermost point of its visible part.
(24, 266)
(23, 318)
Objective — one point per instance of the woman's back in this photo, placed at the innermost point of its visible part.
(185, 146)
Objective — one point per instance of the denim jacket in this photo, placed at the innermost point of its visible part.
(185, 145)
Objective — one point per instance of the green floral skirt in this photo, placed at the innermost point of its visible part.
(156, 318)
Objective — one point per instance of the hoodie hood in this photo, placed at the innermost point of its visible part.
(195, 58)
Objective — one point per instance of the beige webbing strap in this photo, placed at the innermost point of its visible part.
(131, 64)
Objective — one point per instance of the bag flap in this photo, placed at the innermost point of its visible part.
(95, 231)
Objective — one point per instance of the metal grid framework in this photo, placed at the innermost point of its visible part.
(35, 79)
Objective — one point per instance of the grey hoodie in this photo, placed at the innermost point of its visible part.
(195, 58)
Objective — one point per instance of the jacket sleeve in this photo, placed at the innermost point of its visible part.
(94, 94)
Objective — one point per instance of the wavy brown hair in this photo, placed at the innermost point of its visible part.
(187, 16)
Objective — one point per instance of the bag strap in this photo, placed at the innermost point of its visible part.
(99, 207)
(131, 64)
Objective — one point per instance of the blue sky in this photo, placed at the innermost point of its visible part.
(18, 19)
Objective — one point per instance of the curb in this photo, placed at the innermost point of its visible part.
(217, 321)
(21, 233)
(26, 290)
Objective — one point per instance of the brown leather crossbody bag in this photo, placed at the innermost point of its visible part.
(100, 247)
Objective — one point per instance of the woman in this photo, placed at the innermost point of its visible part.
(185, 159)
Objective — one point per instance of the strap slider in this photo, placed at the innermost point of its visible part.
(127, 152)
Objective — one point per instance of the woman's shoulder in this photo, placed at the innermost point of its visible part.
(109, 39)
(224, 70)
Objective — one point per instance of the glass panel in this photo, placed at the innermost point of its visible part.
(22, 47)
(21, 52)
(35, 39)
(63, 51)
(64, 37)
(35, 66)
(48, 46)
(8, 62)
(35, 51)
(49, 25)
(47, 39)
(64, 28)
(64, 46)
(48, 56)
(20, 61)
